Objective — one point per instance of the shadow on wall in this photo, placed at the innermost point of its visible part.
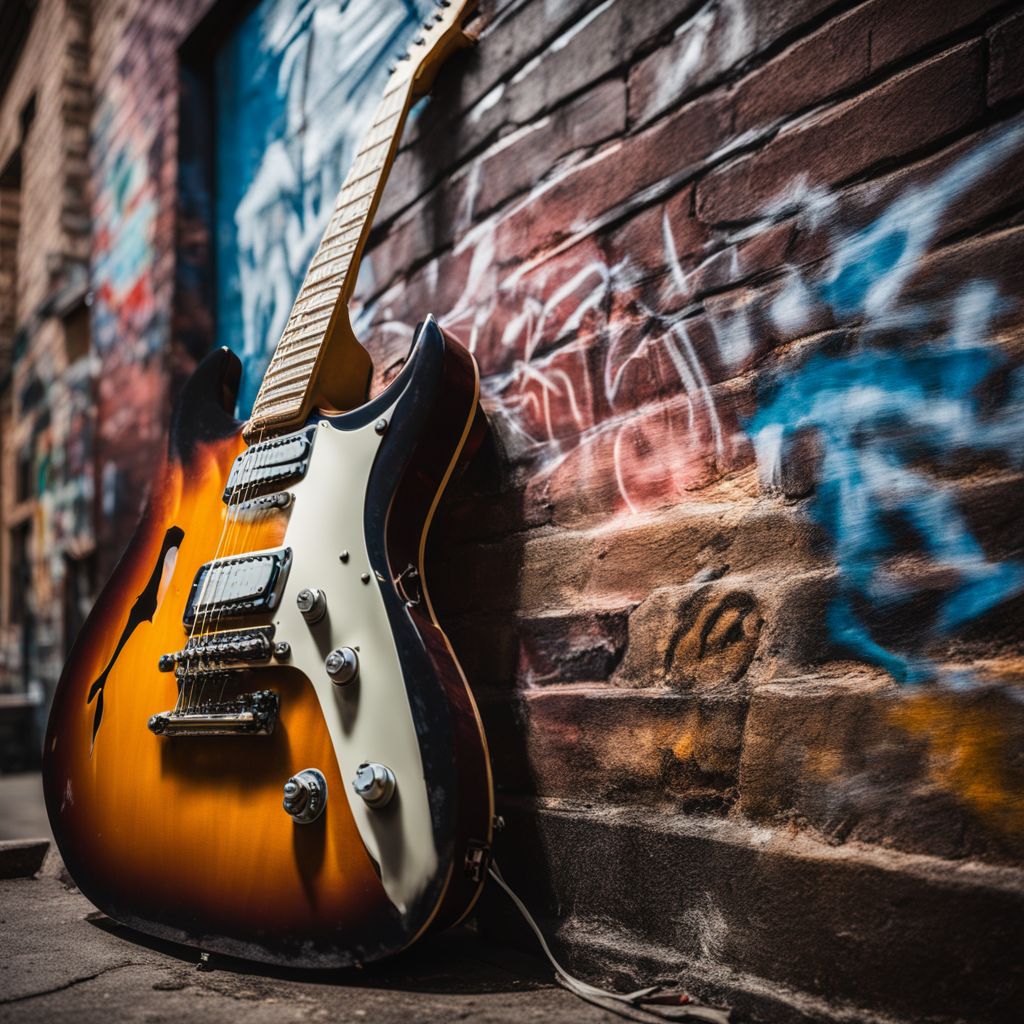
(892, 409)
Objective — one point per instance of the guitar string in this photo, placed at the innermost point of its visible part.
(212, 616)
(205, 600)
(229, 530)
(248, 491)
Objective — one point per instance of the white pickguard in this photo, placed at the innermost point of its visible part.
(369, 719)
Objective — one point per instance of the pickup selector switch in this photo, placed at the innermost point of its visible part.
(342, 665)
(312, 604)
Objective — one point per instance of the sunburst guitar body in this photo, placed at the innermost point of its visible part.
(262, 743)
(174, 823)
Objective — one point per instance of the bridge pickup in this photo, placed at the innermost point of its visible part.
(237, 587)
(268, 465)
(253, 714)
(234, 648)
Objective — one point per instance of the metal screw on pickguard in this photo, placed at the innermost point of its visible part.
(381, 425)
(343, 556)
(375, 783)
(365, 577)
(282, 650)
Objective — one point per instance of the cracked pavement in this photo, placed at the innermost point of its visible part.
(63, 961)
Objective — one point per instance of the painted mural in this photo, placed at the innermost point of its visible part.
(290, 113)
(127, 320)
(603, 366)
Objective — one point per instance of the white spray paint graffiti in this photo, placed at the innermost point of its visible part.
(324, 105)
(553, 407)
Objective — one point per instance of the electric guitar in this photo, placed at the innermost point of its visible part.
(262, 743)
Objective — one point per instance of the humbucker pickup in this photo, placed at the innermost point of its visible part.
(237, 587)
(269, 464)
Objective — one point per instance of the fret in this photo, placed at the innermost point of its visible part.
(303, 306)
(349, 182)
(288, 349)
(278, 395)
(337, 251)
(289, 369)
(286, 386)
(325, 277)
(294, 337)
(318, 320)
(299, 376)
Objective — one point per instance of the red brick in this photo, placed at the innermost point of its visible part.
(516, 164)
(1006, 66)
(910, 110)
(715, 40)
(579, 647)
(669, 151)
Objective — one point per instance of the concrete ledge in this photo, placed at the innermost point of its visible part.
(22, 858)
(894, 935)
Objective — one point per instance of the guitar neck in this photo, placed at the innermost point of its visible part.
(320, 309)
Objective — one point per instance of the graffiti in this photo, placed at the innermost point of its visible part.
(882, 415)
(604, 372)
(125, 214)
(290, 115)
(715, 640)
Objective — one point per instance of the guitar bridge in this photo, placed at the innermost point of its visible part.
(253, 714)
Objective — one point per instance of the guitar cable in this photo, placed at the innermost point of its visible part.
(645, 1004)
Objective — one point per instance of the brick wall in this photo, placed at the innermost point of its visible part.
(44, 129)
(737, 575)
(738, 581)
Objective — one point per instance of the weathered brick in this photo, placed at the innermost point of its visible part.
(910, 110)
(519, 162)
(918, 770)
(666, 154)
(1005, 71)
(723, 631)
(713, 903)
(715, 41)
(647, 748)
(578, 647)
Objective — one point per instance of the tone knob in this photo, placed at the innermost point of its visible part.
(342, 665)
(311, 603)
(375, 783)
(305, 796)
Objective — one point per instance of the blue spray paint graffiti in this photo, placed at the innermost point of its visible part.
(290, 112)
(881, 415)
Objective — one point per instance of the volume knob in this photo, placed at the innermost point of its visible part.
(312, 603)
(305, 796)
(375, 783)
(342, 665)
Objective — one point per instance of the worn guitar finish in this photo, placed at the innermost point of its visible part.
(186, 838)
(262, 743)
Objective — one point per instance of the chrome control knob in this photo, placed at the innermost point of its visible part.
(342, 665)
(312, 603)
(375, 783)
(305, 796)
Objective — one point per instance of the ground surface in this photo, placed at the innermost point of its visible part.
(22, 814)
(60, 960)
